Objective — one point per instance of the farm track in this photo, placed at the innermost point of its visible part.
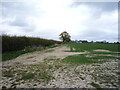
(65, 76)
(39, 56)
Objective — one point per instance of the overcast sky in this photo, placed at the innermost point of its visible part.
(48, 18)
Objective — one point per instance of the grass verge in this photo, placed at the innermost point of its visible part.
(14, 54)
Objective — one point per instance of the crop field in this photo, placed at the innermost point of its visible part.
(110, 51)
(92, 46)
(72, 65)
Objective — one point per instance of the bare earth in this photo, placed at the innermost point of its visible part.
(65, 76)
(101, 50)
(39, 56)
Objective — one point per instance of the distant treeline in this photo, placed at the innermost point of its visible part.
(14, 43)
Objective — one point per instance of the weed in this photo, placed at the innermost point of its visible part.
(76, 72)
(57, 66)
(51, 58)
(95, 85)
(13, 85)
(81, 78)
(45, 76)
(50, 66)
(30, 57)
(8, 74)
(17, 63)
(28, 76)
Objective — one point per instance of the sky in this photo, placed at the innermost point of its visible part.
(95, 21)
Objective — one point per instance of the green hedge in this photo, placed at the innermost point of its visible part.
(14, 43)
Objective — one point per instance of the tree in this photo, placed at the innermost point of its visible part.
(65, 36)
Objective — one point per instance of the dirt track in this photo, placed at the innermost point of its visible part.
(39, 56)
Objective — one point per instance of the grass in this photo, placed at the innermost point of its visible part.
(82, 78)
(11, 55)
(14, 54)
(95, 85)
(37, 72)
(51, 58)
(54, 66)
(28, 76)
(17, 63)
(30, 57)
(77, 46)
(104, 57)
(49, 50)
(8, 73)
(105, 53)
(92, 46)
(45, 76)
(80, 59)
(40, 73)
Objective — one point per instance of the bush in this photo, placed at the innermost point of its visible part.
(14, 43)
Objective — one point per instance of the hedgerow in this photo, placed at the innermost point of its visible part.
(14, 43)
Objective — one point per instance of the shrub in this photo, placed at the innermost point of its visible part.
(14, 43)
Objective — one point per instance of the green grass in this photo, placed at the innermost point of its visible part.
(8, 73)
(14, 54)
(45, 76)
(105, 53)
(95, 85)
(11, 55)
(17, 63)
(28, 76)
(82, 59)
(79, 59)
(92, 46)
(104, 57)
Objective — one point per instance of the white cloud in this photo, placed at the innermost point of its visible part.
(48, 18)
